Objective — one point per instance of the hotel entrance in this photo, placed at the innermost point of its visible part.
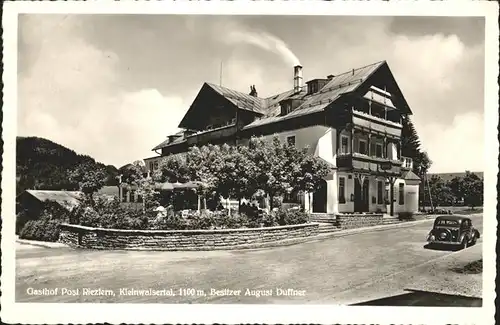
(361, 194)
(319, 198)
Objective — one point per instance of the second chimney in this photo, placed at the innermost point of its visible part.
(298, 81)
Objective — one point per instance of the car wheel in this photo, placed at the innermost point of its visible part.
(473, 242)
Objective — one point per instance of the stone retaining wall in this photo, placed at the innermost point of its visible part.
(349, 221)
(99, 238)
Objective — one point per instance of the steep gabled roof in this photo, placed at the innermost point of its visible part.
(241, 100)
(269, 108)
(339, 85)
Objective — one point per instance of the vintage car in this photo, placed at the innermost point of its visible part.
(453, 230)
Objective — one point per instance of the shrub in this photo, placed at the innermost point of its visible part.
(269, 220)
(43, 230)
(170, 222)
(406, 216)
(288, 217)
(22, 217)
(109, 214)
(224, 221)
(88, 217)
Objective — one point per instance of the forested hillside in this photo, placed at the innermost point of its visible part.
(43, 164)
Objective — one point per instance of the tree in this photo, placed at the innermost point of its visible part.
(410, 147)
(234, 171)
(269, 173)
(201, 164)
(172, 169)
(312, 171)
(280, 168)
(89, 178)
(135, 175)
(472, 189)
(441, 193)
(456, 187)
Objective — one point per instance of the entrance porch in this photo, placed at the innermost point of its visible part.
(345, 192)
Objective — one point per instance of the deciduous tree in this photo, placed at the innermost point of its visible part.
(472, 189)
(89, 178)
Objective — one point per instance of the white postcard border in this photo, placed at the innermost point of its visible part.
(156, 313)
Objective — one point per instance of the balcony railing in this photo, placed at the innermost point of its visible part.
(377, 124)
(364, 163)
(407, 163)
(205, 136)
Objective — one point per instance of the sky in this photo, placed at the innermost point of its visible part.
(114, 86)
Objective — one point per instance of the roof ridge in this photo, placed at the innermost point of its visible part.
(359, 68)
(212, 85)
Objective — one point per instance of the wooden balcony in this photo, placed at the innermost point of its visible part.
(407, 163)
(211, 136)
(367, 164)
(374, 124)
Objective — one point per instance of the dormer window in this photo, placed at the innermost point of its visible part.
(312, 88)
(286, 108)
(315, 85)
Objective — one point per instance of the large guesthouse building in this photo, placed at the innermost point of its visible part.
(351, 120)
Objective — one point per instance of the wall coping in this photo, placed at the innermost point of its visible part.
(187, 232)
(360, 215)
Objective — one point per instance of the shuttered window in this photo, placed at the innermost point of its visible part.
(341, 189)
(380, 192)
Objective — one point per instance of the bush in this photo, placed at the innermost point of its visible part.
(406, 216)
(43, 230)
(269, 220)
(104, 213)
(170, 222)
(22, 217)
(291, 217)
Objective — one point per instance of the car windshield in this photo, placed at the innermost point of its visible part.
(447, 223)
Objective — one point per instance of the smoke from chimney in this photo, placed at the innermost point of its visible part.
(265, 41)
(298, 81)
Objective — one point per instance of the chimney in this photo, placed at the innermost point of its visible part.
(330, 77)
(297, 78)
(253, 91)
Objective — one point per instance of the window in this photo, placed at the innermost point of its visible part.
(313, 87)
(362, 146)
(139, 199)
(380, 191)
(401, 193)
(344, 144)
(286, 108)
(290, 140)
(132, 196)
(156, 165)
(341, 189)
(378, 150)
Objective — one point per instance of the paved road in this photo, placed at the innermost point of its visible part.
(331, 271)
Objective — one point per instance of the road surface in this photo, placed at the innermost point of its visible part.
(331, 271)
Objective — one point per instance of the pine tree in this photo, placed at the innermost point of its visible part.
(410, 147)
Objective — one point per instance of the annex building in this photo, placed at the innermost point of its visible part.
(351, 120)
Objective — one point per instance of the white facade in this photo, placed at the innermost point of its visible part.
(322, 141)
